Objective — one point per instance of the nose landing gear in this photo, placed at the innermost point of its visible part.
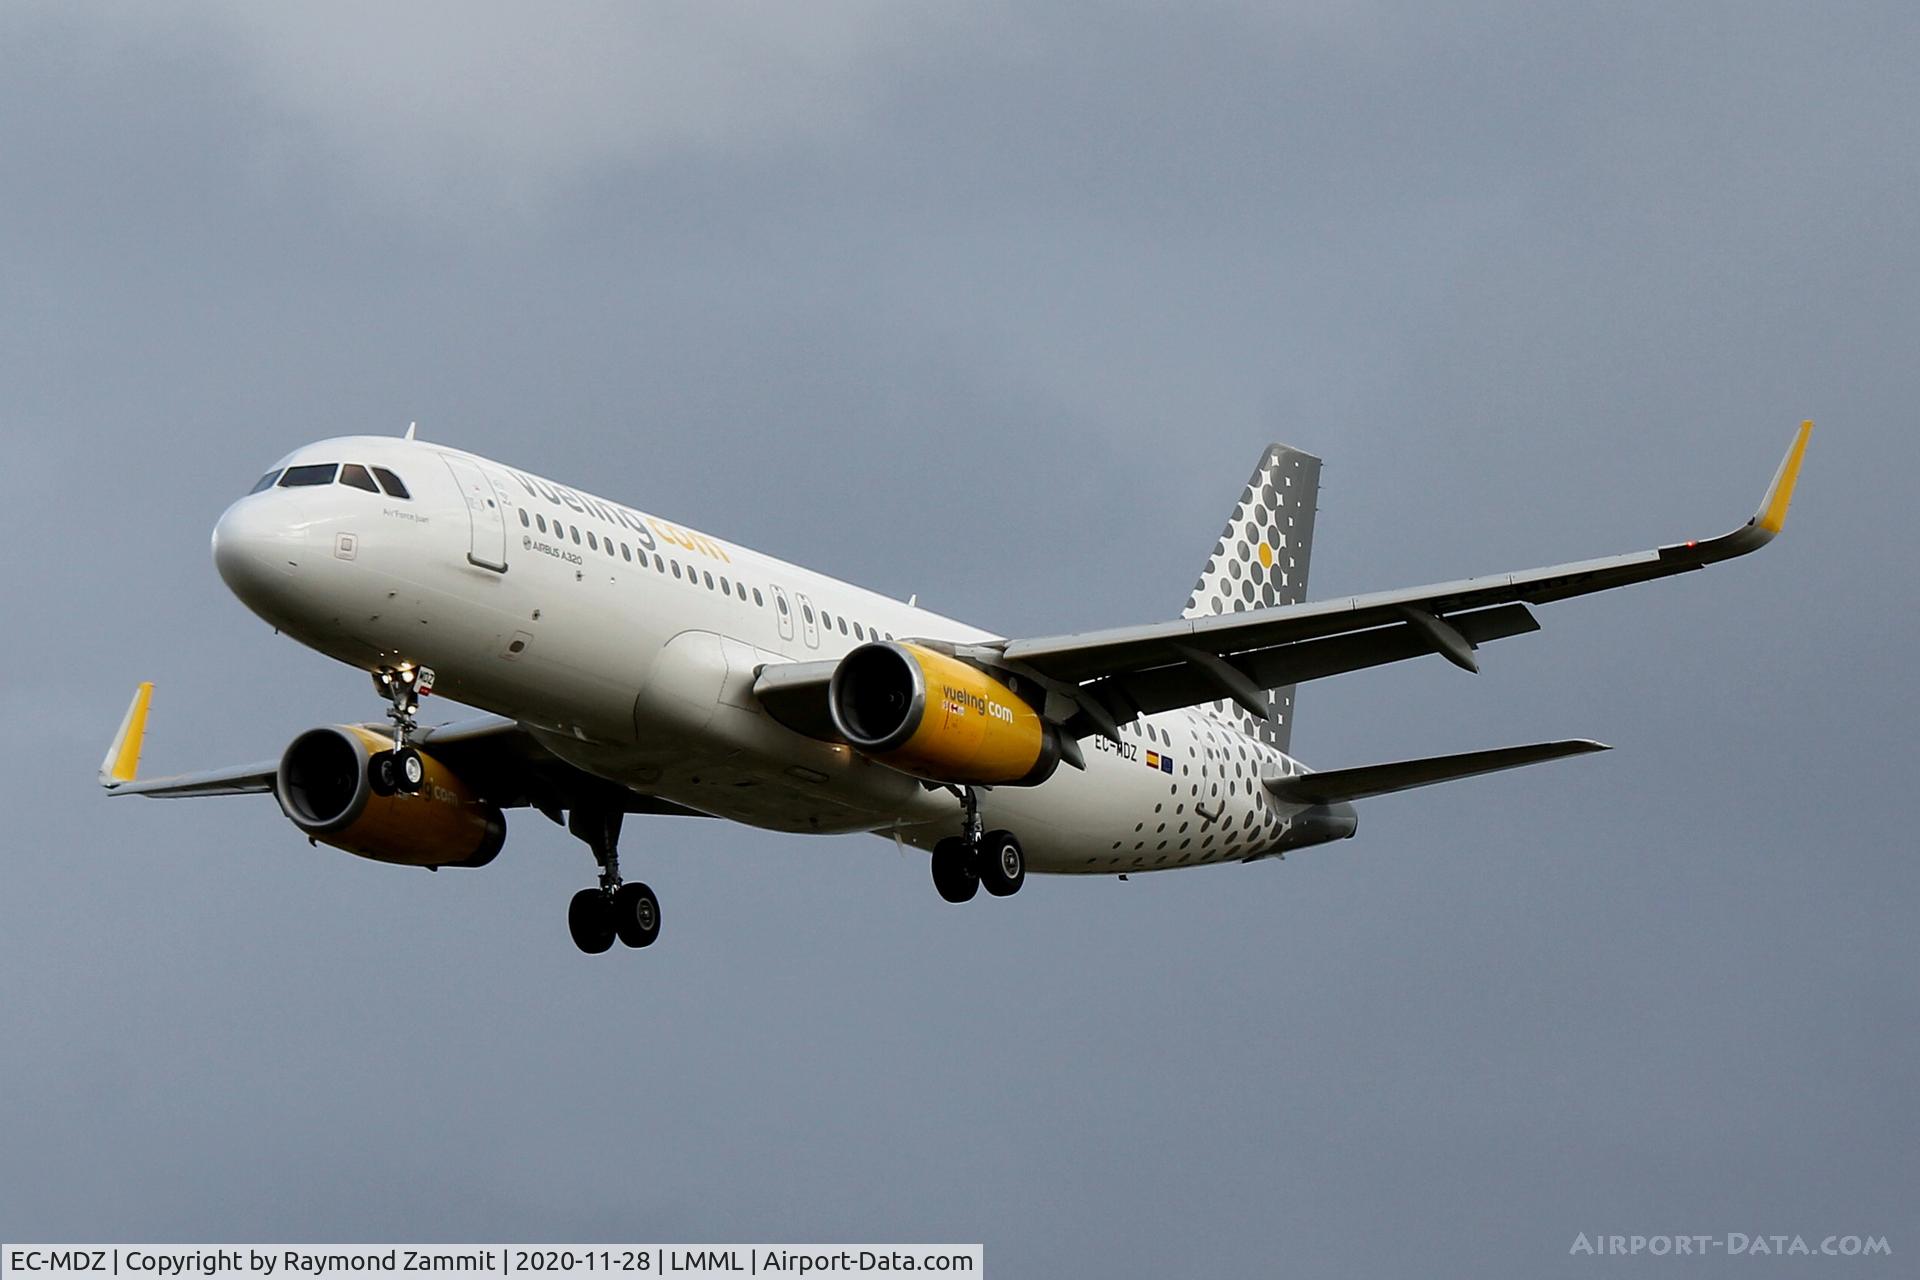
(976, 859)
(401, 769)
(597, 916)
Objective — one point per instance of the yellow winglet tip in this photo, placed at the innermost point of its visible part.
(1773, 511)
(123, 757)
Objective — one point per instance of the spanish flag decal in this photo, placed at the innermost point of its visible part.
(1153, 759)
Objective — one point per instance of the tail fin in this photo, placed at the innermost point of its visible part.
(1260, 562)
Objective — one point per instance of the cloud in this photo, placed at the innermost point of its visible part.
(439, 106)
(442, 101)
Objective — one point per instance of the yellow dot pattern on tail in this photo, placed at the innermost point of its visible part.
(1260, 562)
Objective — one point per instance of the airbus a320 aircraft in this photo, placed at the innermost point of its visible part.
(633, 665)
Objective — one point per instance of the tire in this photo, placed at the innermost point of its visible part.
(636, 915)
(590, 921)
(1002, 865)
(382, 777)
(409, 770)
(953, 873)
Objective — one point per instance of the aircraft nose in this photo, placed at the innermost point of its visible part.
(254, 549)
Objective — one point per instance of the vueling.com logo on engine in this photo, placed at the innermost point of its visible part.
(960, 701)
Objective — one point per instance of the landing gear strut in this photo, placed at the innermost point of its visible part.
(965, 863)
(400, 769)
(597, 916)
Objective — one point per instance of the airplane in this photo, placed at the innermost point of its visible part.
(631, 665)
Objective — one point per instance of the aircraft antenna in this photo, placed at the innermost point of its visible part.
(411, 428)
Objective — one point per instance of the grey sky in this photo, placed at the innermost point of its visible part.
(996, 304)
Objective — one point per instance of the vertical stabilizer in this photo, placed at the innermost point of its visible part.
(1260, 561)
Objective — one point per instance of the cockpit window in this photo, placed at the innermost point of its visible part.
(316, 473)
(356, 475)
(265, 482)
(391, 483)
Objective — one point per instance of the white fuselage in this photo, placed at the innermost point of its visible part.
(628, 646)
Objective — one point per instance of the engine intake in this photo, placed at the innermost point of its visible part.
(937, 718)
(323, 789)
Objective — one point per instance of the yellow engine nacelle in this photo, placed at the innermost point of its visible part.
(937, 718)
(322, 786)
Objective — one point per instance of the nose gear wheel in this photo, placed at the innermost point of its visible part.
(400, 770)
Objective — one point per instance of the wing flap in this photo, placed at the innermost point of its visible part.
(1334, 786)
(1166, 688)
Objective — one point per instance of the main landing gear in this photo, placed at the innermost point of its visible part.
(976, 859)
(401, 769)
(628, 912)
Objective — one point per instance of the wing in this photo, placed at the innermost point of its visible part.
(505, 763)
(495, 756)
(1117, 674)
(119, 771)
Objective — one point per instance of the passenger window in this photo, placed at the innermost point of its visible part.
(807, 610)
(726, 588)
(781, 601)
(317, 473)
(676, 567)
(573, 531)
(524, 522)
(626, 552)
(858, 634)
(540, 523)
(843, 624)
(355, 475)
(608, 544)
(391, 483)
(265, 482)
(592, 543)
(758, 603)
(709, 579)
(659, 565)
(826, 619)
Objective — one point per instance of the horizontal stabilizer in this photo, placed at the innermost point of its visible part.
(1335, 785)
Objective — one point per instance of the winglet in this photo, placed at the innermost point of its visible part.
(1773, 509)
(1766, 522)
(122, 763)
